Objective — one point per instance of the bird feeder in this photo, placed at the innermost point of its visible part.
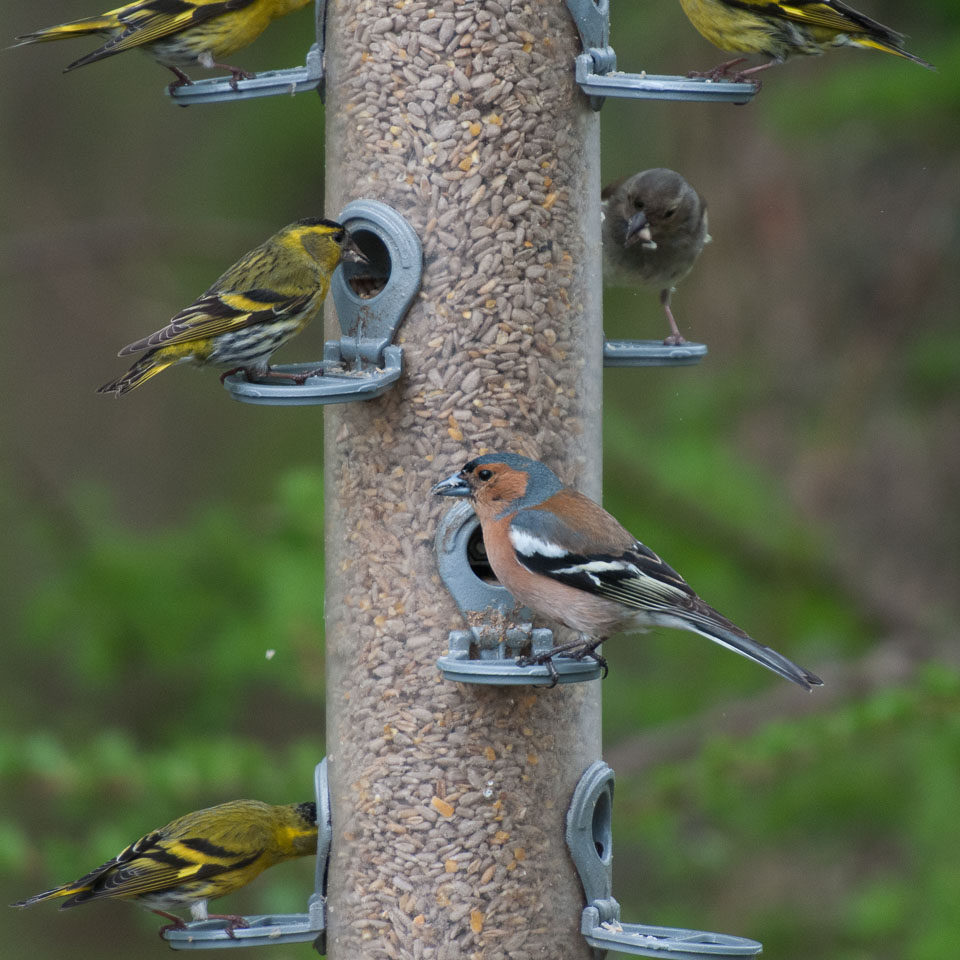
(448, 798)
(463, 151)
(488, 651)
(589, 838)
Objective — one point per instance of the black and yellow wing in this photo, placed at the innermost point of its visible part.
(216, 313)
(151, 20)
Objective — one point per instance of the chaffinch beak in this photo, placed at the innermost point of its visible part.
(453, 486)
(639, 229)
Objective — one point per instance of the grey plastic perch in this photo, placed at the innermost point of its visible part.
(484, 654)
(270, 83)
(598, 77)
(651, 353)
(589, 837)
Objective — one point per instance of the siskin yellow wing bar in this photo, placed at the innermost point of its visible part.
(220, 313)
(155, 19)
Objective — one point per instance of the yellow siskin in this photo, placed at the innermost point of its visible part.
(267, 297)
(199, 857)
(176, 33)
(784, 28)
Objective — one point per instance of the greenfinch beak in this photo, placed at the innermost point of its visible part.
(639, 230)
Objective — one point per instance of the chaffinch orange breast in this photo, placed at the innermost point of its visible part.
(564, 556)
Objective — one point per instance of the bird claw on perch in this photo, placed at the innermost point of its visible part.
(182, 80)
(234, 922)
(580, 650)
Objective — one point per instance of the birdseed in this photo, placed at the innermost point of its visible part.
(449, 800)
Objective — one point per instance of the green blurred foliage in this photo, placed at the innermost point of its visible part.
(159, 547)
(214, 614)
(833, 836)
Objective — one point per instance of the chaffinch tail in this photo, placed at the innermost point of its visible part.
(654, 227)
(564, 556)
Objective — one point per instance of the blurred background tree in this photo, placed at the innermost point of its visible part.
(164, 563)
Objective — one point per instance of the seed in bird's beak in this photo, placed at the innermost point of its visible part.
(638, 230)
(453, 486)
(351, 252)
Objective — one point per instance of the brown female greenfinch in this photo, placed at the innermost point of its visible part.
(654, 227)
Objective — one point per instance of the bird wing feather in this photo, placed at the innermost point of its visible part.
(830, 14)
(223, 312)
(154, 19)
(139, 868)
(636, 577)
(158, 863)
(611, 188)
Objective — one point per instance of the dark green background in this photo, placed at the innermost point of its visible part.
(804, 479)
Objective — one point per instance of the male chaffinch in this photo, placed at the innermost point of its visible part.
(564, 556)
(654, 227)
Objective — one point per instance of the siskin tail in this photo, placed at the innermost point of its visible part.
(78, 891)
(67, 890)
(76, 28)
(149, 365)
(897, 51)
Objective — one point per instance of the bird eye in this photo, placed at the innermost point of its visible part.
(638, 204)
(670, 212)
(485, 474)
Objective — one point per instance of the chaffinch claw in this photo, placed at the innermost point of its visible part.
(564, 556)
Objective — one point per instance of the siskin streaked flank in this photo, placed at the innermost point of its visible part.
(199, 857)
(784, 28)
(267, 297)
(176, 33)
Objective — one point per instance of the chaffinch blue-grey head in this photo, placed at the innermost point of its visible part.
(564, 556)
(654, 227)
